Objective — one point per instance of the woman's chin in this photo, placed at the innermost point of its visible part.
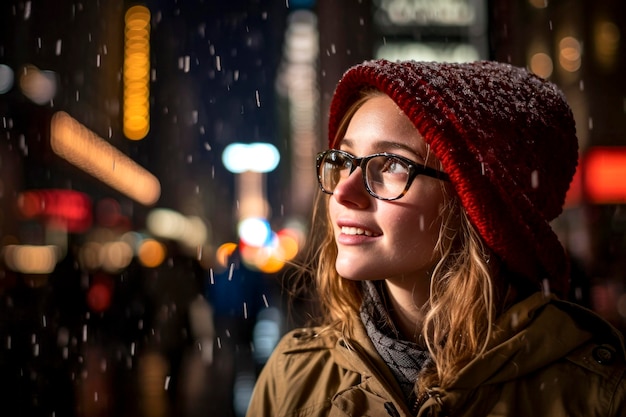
(353, 271)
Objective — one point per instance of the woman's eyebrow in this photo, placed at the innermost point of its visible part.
(345, 142)
(386, 145)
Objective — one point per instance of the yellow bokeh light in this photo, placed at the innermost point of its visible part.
(137, 16)
(136, 73)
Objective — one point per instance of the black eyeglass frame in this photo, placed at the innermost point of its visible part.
(415, 169)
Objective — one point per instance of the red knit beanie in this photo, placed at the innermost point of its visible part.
(505, 137)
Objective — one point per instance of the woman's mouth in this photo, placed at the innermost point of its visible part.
(356, 231)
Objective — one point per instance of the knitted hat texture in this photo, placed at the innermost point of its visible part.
(506, 138)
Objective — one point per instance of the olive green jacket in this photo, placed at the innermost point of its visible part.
(549, 358)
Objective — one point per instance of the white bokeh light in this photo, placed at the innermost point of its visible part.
(255, 157)
(254, 231)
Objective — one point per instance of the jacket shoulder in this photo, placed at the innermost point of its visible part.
(300, 376)
(604, 351)
(607, 342)
(600, 358)
(306, 339)
(603, 357)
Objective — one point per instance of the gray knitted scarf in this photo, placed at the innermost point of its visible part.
(404, 358)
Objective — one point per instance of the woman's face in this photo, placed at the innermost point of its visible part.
(378, 239)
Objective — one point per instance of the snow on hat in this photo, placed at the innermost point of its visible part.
(506, 138)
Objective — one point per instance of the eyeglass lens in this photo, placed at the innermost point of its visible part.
(385, 176)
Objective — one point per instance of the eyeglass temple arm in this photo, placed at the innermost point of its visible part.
(431, 172)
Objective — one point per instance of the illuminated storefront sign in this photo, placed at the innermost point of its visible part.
(432, 30)
(426, 12)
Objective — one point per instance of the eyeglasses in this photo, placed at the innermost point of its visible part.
(386, 176)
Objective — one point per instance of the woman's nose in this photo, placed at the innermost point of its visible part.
(351, 191)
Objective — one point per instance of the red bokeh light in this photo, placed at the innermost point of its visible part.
(100, 293)
(58, 208)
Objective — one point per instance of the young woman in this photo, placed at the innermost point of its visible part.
(438, 273)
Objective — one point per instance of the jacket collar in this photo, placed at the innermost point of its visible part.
(359, 355)
(530, 335)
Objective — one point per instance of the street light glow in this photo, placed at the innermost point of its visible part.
(254, 157)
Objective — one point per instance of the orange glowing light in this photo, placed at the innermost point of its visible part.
(151, 253)
(268, 259)
(137, 73)
(81, 147)
(604, 171)
(224, 252)
(541, 64)
(270, 264)
(288, 244)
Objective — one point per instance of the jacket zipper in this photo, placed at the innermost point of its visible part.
(421, 399)
(417, 404)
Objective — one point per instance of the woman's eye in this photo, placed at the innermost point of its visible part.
(393, 166)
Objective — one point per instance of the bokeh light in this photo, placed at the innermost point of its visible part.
(254, 231)
(255, 157)
(115, 256)
(100, 293)
(81, 147)
(570, 52)
(151, 253)
(137, 73)
(606, 39)
(271, 254)
(224, 252)
(89, 255)
(188, 231)
(6, 78)
(604, 171)
(39, 86)
(541, 65)
(31, 259)
(69, 209)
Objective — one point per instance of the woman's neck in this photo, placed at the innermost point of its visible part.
(405, 301)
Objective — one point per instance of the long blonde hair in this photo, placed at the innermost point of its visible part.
(462, 306)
